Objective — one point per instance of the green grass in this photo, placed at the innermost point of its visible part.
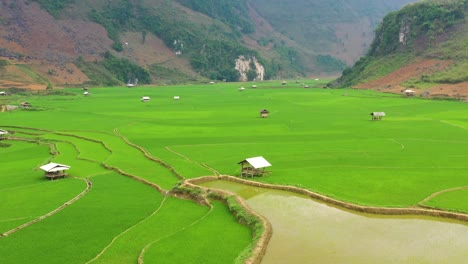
(23, 204)
(450, 200)
(167, 221)
(24, 192)
(78, 233)
(218, 231)
(19, 164)
(317, 139)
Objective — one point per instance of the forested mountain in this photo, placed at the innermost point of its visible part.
(423, 47)
(101, 42)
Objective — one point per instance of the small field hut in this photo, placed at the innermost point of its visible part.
(264, 113)
(2, 93)
(241, 89)
(254, 86)
(254, 166)
(145, 98)
(25, 105)
(131, 83)
(86, 93)
(55, 170)
(176, 97)
(377, 115)
(408, 92)
(3, 134)
(283, 82)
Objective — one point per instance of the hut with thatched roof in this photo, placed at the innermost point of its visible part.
(55, 170)
(25, 105)
(3, 134)
(254, 166)
(377, 115)
(409, 92)
(264, 113)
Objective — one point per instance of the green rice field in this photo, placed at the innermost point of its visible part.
(125, 155)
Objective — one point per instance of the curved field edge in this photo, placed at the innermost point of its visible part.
(58, 209)
(215, 238)
(114, 204)
(342, 204)
(52, 138)
(166, 220)
(447, 199)
(34, 197)
(260, 227)
(60, 142)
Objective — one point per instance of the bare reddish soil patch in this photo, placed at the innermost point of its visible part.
(30, 86)
(32, 36)
(392, 82)
(459, 90)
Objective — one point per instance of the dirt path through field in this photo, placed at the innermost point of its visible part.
(141, 256)
(149, 156)
(217, 173)
(127, 230)
(60, 208)
(441, 192)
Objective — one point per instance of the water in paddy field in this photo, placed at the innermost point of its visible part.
(307, 231)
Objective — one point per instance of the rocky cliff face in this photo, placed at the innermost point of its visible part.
(421, 47)
(249, 67)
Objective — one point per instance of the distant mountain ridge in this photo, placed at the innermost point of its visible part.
(45, 43)
(423, 47)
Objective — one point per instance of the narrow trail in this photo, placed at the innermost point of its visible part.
(21, 187)
(217, 173)
(454, 125)
(441, 192)
(259, 245)
(60, 208)
(401, 145)
(127, 230)
(116, 169)
(149, 156)
(14, 219)
(143, 251)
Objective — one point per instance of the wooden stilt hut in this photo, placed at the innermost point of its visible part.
(264, 113)
(253, 166)
(55, 170)
(377, 115)
(409, 92)
(25, 105)
(3, 134)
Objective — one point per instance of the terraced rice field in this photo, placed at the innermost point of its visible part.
(126, 156)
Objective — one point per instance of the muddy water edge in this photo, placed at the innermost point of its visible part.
(308, 231)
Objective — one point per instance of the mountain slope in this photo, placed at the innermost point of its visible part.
(424, 46)
(71, 42)
(340, 28)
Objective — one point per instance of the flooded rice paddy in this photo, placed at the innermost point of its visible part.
(308, 231)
